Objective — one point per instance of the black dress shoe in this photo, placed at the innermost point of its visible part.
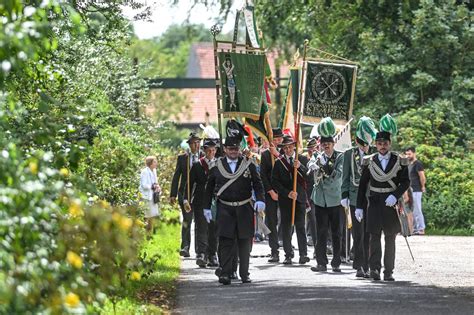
(218, 271)
(336, 269)
(201, 261)
(246, 280)
(274, 259)
(184, 252)
(224, 280)
(303, 260)
(360, 273)
(213, 261)
(375, 275)
(287, 261)
(234, 276)
(319, 268)
(388, 277)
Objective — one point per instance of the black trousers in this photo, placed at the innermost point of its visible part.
(375, 252)
(361, 242)
(228, 255)
(300, 212)
(211, 239)
(311, 223)
(271, 216)
(345, 237)
(200, 231)
(324, 217)
(186, 226)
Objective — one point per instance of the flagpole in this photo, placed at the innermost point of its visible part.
(215, 30)
(297, 129)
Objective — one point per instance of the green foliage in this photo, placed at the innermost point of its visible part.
(167, 55)
(72, 142)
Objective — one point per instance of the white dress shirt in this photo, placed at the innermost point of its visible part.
(384, 160)
(232, 164)
(193, 158)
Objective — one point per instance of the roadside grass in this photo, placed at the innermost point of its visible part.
(156, 293)
(449, 231)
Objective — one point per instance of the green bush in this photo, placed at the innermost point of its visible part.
(449, 200)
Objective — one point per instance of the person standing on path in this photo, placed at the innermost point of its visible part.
(385, 175)
(352, 171)
(232, 182)
(148, 186)
(282, 180)
(268, 158)
(416, 172)
(327, 168)
(181, 175)
(205, 239)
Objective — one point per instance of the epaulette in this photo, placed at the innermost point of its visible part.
(366, 159)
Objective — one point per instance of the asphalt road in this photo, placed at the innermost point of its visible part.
(441, 281)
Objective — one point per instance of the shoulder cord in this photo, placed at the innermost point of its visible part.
(243, 166)
(379, 175)
(353, 167)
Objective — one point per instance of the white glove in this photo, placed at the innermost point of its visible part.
(208, 215)
(345, 202)
(322, 159)
(390, 201)
(359, 214)
(312, 166)
(259, 206)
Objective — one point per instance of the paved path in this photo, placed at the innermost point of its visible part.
(441, 281)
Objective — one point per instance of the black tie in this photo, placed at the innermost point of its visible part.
(291, 160)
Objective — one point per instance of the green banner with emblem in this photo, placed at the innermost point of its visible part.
(242, 78)
(329, 91)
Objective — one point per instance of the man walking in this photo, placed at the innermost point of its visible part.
(416, 172)
(180, 178)
(282, 180)
(271, 196)
(385, 175)
(327, 168)
(352, 171)
(232, 182)
(204, 227)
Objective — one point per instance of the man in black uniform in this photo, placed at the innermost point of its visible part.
(232, 181)
(181, 175)
(271, 196)
(386, 175)
(352, 170)
(206, 238)
(282, 180)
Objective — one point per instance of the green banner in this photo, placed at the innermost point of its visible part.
(242, 78)
(329, 91)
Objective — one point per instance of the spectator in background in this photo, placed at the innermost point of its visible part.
(149, 185)
(417, 184)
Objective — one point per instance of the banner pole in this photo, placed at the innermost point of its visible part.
(215, 30)
(297, 130)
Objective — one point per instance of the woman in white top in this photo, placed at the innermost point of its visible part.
(148, 185)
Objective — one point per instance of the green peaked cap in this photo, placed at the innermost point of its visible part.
(388, 124)
(366, 129)
(327, 128)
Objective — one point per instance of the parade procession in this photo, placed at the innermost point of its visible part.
(247, 181)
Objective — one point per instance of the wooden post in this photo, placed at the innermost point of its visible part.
(297, 129)
(215, 30)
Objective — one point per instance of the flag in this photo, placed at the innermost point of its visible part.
(288, 114)
(242, 78)
(329, 91)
